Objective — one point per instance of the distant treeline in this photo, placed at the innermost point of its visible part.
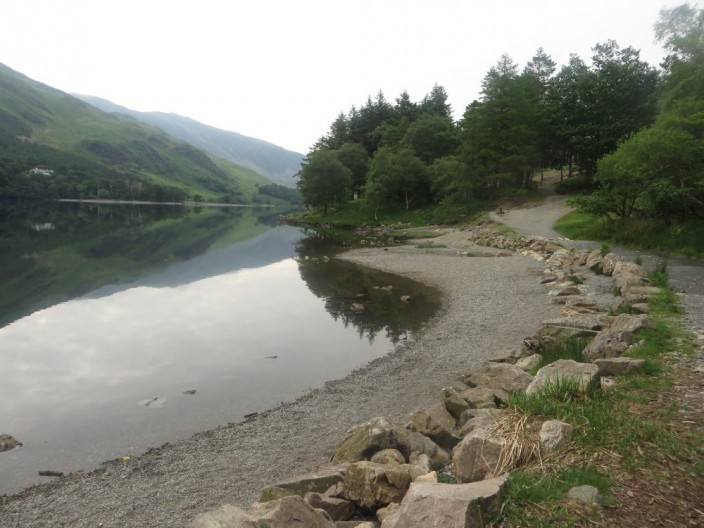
(631, 131)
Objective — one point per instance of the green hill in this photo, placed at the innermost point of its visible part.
(274, 162)
(53, 145)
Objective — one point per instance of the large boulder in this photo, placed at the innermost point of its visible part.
(477, 456)
(288, 512)
(374, 485)
(437, 424)
(428, 505)
(585, 375)
(362, 441)
(318, 481)
(501, 376)
(561, 258)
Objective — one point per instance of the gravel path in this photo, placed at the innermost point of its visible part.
(490, 303)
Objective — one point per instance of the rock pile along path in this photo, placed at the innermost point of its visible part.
(490, 303)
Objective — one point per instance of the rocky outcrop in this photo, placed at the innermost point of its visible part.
(429, 505)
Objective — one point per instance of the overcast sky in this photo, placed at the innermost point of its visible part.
(282, 70)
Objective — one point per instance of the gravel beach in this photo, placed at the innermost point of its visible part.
(490, 303)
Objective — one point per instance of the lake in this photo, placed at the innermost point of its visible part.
(125, 327)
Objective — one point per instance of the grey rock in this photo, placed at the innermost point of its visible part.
(530, 362)
(374, 485)
(565, 288)
(595, 261)
(630, 323)
(454, 403)
(338, 509)
(429, 504)
(8, 442)
(553, 434)
(483, 420)
(587, 494)
(502, 376)
(287, 513)
(618, 366)
(422, 445)
(585, 374)
(607, 344)
(388, 456)
(437, 424)
(318, 481)
(484, 397)
(477, 456)
(362, 441)
(608, 264)
(507, 356)
(627, 275)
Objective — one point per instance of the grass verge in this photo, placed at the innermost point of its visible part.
(626, 438)
(682, 239)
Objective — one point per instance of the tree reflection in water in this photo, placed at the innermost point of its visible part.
(369, 299)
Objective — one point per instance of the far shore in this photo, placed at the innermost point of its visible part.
(138, 202)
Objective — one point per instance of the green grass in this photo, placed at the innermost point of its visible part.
(683, 239)
(525, 490)
(623, 421)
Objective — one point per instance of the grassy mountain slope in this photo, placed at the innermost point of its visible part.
(97, 155)
(272, 161)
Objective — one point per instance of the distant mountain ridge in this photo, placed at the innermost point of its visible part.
(53, 145)
(271, 161)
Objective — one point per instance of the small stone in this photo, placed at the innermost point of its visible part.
(587, 494)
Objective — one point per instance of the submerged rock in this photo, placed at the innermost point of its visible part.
(8, 442)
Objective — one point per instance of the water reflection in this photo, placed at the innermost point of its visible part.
(52, 252)
(370, 300)
(186, 301)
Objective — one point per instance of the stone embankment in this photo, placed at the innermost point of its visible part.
(386, 475)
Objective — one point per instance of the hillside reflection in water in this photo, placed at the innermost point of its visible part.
(74, 373)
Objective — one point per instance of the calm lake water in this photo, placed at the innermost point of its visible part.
(110, 315)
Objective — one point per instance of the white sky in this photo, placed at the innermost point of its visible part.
(282, 70)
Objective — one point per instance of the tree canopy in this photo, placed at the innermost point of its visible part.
(632, 129)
